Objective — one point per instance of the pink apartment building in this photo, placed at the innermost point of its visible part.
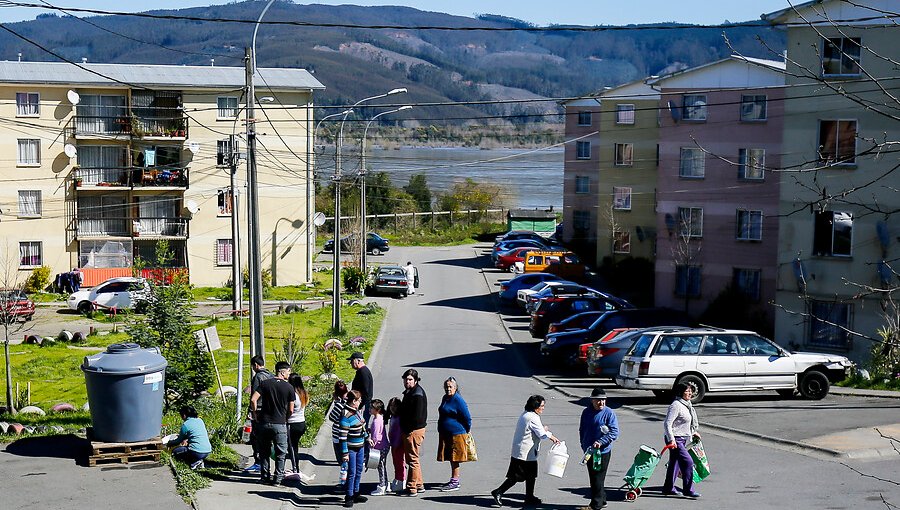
(717, 193)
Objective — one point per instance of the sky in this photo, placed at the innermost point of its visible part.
(580, 12)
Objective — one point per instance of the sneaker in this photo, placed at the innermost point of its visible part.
(277, 483)
(694, 495)
(672, 492)
(253, 468)
(348, 502)
(380, 490)
(420, 488)
(409, 493)
(397, 485)
(452, 485)
(496, 495)
(198, 465)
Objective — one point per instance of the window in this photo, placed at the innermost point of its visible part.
(584, 118)
(693, 163)
(749, 225)
(581, 221)
(827, 322)
(690, 221)
(28, 104)
(679, 345)
(747, 282)
(624, 154)
(622, 198)
(224, 251)
(624, 114)
(837, 141)
(223, 152)
(687, 281)
(29, 204)
(583, 150)
(228, 107)
(622, 242)
(753, 108)
(224, 200)
(694, 107)
(582, 184)
(751, 164)
(840, 56)
(31, 254)
(833, 234)
(752, 345)
(29, 152)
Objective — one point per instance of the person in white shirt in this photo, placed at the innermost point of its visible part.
(410, 271)
(525, 447)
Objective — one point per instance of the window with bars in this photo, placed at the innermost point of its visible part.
(840, 56)
(582, 184)
(753, 107)
(747, 282)
(31, 254)
(29, 203)
(694, 107)
(621, 242)
(690, 221)
(833, 234)
(751, 164)
(837, 142)
(687, 280)
(693, 163)
(224, 150)
(28, 104)
(624, 154)
(227, 107)
(749, 225)
(828, 324)
(622, 198)
(624, 114)
(224, 252)
(224, 200)
(583, 150)
(28, 151)
(584, 118)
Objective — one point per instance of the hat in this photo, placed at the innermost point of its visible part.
(356, 355)
(598, 393)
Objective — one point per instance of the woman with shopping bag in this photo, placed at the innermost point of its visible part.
(680, 427)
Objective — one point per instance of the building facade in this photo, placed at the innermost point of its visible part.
(580, 172)
(838, 201)
(103, 162)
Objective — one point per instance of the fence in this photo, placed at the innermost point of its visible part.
(430, 219)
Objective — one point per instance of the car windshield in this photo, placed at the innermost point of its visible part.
(752, 345)
(12, 295)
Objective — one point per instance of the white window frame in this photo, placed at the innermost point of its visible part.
(28, 104)
(582, 184)
(621, 117)
(24, 145)
(622, 242)
(752, 164)
(693, 227)
(698, 165)
(842, 53)
(224, 202)
(38, 204)
(621, 198)
(222, 111)
(825, 159)
(694, 109)
(748, 103)
(40, 248)
(224, 252)
(831, 234)
(585, 114)
(582, 150)
(627, 149)
(744, 220)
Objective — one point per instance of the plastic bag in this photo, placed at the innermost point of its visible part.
(701, 462)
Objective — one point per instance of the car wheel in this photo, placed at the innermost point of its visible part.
(786, 392)
(376, 251)
(85, 307)
(814, 385)
(697, 383)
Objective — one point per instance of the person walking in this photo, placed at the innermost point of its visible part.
(277, 398)
(454, 423)
(598, 429)
(395, 437)
(412, 275)
(192, 444)
(363, 382)
(353, 441)
(297, 420)
(338, 401)
(680, 425)
(378, 441)
(413, 417)
(526, 443)
(260, 374)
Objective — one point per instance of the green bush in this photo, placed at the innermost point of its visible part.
(354, 279)
(38, 280)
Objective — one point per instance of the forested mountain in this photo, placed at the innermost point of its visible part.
(436, 65)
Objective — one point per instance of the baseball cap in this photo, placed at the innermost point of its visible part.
(356, 355)
(598, 393)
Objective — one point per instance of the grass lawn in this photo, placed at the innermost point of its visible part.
(322, 281)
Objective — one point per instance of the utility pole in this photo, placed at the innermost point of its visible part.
(336, 282)
(238, 286)
(255, 264)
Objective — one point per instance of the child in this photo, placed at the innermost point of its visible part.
(378, 441)
(395, 438)
(337, 412)
(353, 447)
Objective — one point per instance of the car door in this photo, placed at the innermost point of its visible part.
(766, 367)
(721, 363)
(675, 354)
(108, 295)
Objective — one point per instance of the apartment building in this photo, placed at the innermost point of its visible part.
(838, 200)
(580, 172)
(103, 161)
(717, 200)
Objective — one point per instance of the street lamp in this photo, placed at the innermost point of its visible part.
(336, 283)
(364, 234)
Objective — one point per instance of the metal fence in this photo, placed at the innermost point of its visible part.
(431, 219)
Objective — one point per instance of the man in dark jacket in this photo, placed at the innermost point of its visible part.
(413, 415)
(260, 374)
(362, 382)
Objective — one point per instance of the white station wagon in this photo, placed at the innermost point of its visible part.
(726, 360)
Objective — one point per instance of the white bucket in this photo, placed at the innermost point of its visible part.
(557, 458)
(374, 458)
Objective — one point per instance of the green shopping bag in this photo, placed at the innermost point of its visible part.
(701, 462)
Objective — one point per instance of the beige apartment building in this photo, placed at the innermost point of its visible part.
(102, 161)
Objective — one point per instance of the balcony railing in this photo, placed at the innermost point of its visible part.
(131, 227)
(117, 124)
(164, 176)
(160, 227)
(172, 127)
(125, 124)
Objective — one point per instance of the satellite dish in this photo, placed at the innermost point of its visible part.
(192, 206)
(318, 219)
(73, 96)
(194, 147)
(70, 150)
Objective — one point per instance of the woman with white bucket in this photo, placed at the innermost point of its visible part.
(525, 446)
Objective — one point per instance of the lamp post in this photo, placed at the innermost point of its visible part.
(363, 232)
(336, 283)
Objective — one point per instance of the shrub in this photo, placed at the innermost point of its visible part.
(354, 279)
(38, 280)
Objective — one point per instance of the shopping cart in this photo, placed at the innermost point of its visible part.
(641, 470)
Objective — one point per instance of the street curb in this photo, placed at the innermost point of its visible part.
(857, 392)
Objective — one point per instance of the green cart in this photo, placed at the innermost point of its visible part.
(641, 470)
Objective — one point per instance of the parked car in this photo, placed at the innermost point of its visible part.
(578, 321)
(561, 262)
(557, 308)
(16, 305)
(523, 294)
(557, 289)
(517, 243)
(584, 349)
(506, 261)
(120, 293)
(564, 345)
(605, 355)
(375, 244)
(726, 360)
(520, 234)
(391, 280)
(509, 289)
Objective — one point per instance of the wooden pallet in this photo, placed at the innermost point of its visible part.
(124, 453)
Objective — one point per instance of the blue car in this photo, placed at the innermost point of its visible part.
(510, 288)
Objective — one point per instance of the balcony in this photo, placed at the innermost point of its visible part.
(157, 178)
(160, 128)
(100, 126)
(152, 228)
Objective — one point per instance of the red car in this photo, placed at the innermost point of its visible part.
(506, 260)
(583, 349)
(14, 304)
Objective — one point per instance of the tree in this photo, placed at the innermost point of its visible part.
(471, 195)
(10, 285)
(418, 189)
